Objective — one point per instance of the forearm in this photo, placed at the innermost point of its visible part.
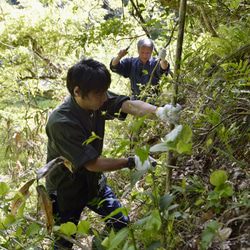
(116, 60)
(106, 164)
(120, 55)
(139, 108)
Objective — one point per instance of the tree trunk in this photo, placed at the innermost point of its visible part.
(171, 159)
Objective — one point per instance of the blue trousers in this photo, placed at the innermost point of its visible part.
(117, 222)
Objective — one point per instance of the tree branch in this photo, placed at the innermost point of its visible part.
(171, 158)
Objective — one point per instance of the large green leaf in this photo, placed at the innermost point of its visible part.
(218, 177)
(68, 228)
(83, 226)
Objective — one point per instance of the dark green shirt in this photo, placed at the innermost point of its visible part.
(67, 129)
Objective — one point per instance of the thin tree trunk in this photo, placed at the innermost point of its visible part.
(207, 22)
(171, 159)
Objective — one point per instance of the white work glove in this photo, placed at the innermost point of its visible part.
(169, 113)
(162, 54)
(150, 163)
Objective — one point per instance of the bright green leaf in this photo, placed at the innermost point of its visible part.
(83, 226)
(106, 242)
(218, 177)
(32, 229)
(4, 188)
(68, 228)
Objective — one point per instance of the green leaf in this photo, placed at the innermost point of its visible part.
(218, 177)
(83, 226)
(8, 220)
(4, 188)
(91, 138)
(119, 237)
(183, 147)
(155, 245)
(33, 229)
(165, 201)
(136, 176)
(208, 233)
(68, 228)
(154, 224)
(198, 202)
(19, 232)
(207, 236)
(106, 242)
(142, 153)
(141, 221)
(123, 210)
(226, 190)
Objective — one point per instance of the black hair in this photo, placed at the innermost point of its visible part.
(89, 75)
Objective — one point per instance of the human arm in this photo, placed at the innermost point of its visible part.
(168, 113)
(110, 164)
(139, 108)
(120, 55)
(106, 164)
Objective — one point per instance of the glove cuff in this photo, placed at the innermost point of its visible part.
(156, 109)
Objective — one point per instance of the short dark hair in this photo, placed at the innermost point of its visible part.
(145, 42)
(89, 75)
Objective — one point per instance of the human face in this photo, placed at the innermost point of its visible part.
(93, 101)
(144, 54)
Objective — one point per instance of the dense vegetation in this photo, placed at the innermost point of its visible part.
(207, 205)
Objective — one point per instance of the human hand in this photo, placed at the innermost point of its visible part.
(162, 54)
(122, 53)
(150, 163)
(169, 113)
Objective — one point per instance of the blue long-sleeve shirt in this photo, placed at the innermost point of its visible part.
(138, 73)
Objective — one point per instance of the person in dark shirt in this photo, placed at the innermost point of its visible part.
(82, 115)
(139, 69)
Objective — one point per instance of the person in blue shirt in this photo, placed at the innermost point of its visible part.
(139, 69)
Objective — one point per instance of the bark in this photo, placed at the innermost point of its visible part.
(208, 24)
(171, 159)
